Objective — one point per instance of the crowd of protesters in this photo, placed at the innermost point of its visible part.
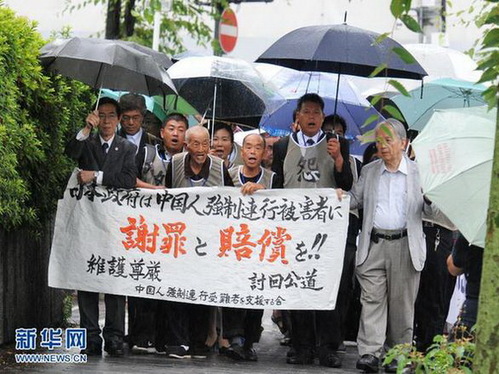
(401, 256)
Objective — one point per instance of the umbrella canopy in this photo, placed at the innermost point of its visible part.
(438, 94)
(103, 63)
(339, 49)
(159, 57)
(454, 154)
(293, 84)
(223, 88)
(439, 62)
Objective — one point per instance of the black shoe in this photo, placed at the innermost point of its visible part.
(92, 350)
(302, 357)
(178, 351)
(114, 349)
(391, 367)
(236, 352)
(250, 354)
(199, 351)
(368, 363)
(330, 359)
(143, 347)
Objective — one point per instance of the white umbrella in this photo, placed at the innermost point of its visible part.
(439, 62)
(454, 153)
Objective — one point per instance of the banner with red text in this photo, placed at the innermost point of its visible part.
(276, 249)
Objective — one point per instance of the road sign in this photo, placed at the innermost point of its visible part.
(227, 34)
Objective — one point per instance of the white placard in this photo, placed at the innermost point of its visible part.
(277, 249)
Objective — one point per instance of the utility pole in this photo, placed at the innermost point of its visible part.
(166, 6)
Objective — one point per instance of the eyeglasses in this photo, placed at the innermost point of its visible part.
(135, 118)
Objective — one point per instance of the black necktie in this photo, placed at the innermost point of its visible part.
(310, 142)
(105, 146)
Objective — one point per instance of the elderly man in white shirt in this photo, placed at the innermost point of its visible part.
(391, 251)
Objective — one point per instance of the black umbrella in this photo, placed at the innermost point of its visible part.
(340, 49)
(112, 64)
(159, 57)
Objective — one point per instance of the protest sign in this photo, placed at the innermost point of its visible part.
(278, 249)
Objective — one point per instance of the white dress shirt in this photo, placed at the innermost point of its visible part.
(302, 138)
(135, 138)
(391, 208)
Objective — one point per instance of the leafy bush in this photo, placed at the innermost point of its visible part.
(443, 356)
(37, 113)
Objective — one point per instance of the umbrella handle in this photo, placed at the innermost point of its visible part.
(98, 97)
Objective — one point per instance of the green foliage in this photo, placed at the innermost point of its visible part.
(36, 113)
(442, 357)
(184, 16)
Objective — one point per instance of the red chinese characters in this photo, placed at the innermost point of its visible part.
(146, 238)
(139, 236)
(272, 244)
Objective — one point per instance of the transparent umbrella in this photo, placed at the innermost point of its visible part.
(223, 88)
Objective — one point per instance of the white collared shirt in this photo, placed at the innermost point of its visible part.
(302, 138)
(391, 208)
(135, 138)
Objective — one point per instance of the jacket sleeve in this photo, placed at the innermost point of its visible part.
(344, 179)
(75, 148)
(357, 191)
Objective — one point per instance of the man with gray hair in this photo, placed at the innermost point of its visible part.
(392, 248)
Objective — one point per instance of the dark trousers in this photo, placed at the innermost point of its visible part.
(114, 327)
(465, 321)
(182, 324)
(141, 321)
(246, 323)
(435, 287)
(326, 328)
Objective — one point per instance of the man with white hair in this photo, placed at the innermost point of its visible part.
(194, 168)
(392, 249)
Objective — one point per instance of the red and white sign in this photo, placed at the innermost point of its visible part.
(227, 33)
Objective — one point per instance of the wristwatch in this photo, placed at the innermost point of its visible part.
(96, 174)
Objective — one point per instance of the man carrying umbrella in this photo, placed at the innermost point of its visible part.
(310, 159)
(109, 160)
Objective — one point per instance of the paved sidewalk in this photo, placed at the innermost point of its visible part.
(271, 359)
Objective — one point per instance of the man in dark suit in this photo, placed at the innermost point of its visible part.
(104, 159)
(133, 109)
(310, 159)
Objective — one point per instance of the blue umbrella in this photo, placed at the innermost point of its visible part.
(293, 84)
(445, 93)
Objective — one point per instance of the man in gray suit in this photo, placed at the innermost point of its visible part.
(391, 251)
(107, 159)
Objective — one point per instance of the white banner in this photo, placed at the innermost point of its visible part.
(276, 249)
